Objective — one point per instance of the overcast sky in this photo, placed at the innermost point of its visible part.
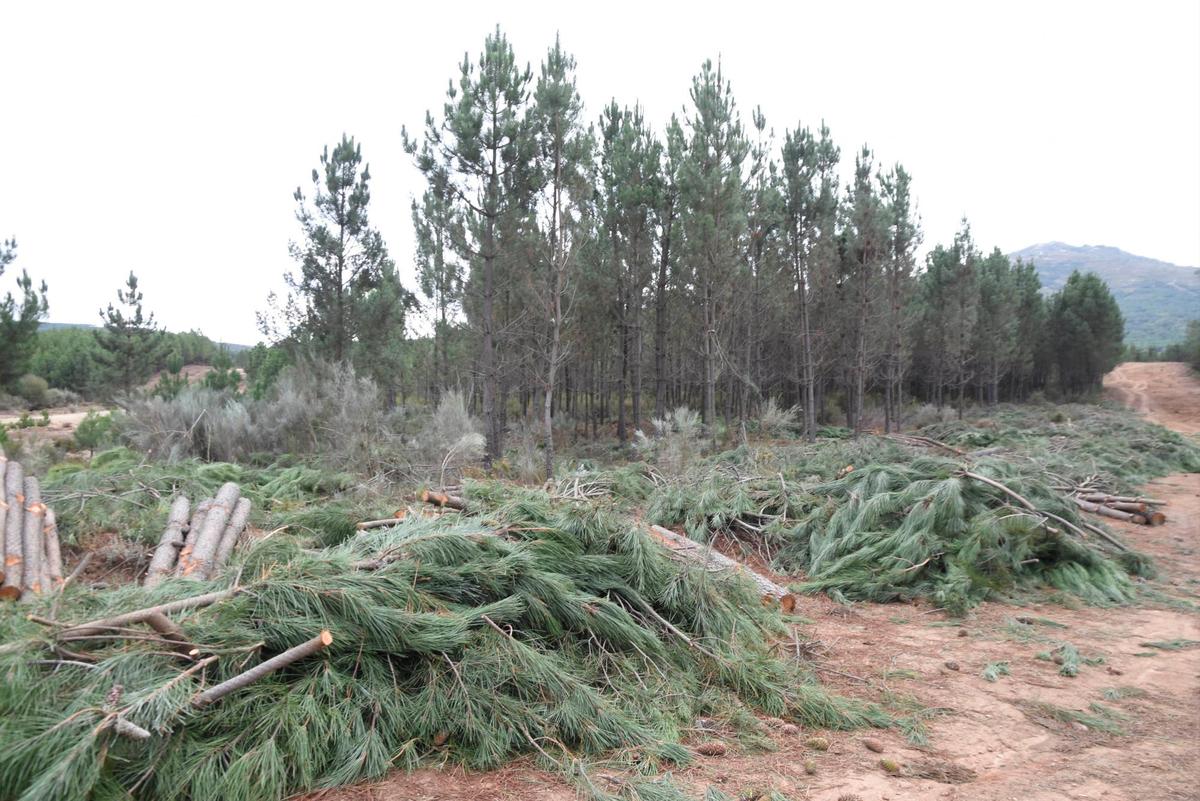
(167, 138)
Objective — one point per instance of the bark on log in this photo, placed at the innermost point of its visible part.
(1115, 514)
(172, 635)
(1099, 497)
(316, 644)
(54, 562)
(1128, 506)
(233, 532)
(14, 547)
(3, 510)
(142, 615)
(204, 550)
(35, 513)
(166, 555)
(444, 500)
(193, 531)
(714, 560)
(387, 521)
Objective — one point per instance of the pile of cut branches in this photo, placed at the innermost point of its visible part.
(541, 627)
(30, 555)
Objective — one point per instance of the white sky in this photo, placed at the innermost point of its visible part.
(168, 138)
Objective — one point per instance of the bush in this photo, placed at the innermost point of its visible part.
(775, 421)
(93, 431)
(34, 390)
(11, 403)
(676, 442)
(61, 397)
(449, 441)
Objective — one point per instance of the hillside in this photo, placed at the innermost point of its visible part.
(1156, 297)
(232, 347)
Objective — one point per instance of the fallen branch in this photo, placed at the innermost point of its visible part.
(714, 560)
(141, 615)
(172, 635)
(443, 500)
(316, 644)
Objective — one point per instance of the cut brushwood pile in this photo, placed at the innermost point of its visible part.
(30, 553)
(199, 547)
(529, 626)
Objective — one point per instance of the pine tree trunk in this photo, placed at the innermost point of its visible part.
(714, 560)
(35, 513)
(204, 549)
(14, 532)
(189, 542)
(3, 511)
(229, 538)
(660, 317)
(54, 563)
(166, 555)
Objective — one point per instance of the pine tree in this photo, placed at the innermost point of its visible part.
(667, 212)
(1087, 330)
(19, 319)
(712, 196)
(865, 253)
(564, 154)
(903, 237)
(439, 238)
(478, 150)
(342, 260)
(130, 342)
(996, 326)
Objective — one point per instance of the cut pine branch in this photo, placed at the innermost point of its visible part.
(715, 561)
(305, 649)
(166, 555)
(444, 500)
(1099, 497)
(172, 635)
(142, 615)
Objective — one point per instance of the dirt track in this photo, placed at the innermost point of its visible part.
(1166, 392)
(988, 740)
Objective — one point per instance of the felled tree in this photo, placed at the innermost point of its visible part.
(19, 318)
(130, 343)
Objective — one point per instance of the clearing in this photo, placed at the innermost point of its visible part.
(1033, 734)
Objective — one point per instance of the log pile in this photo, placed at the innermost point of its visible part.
(1127, 508)
(197, 547)
(30, 556)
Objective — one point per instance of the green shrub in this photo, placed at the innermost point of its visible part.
(33, 389)
(92, 431)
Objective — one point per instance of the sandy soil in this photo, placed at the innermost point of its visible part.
(1166, 392)
(986, 740)
(62, 422)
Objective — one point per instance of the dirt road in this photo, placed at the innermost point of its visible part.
(62, 425)
(1122, 729)
(1166, 392)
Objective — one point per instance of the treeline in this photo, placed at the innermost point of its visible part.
(45, 367)
(608, 271)
(1186, 351)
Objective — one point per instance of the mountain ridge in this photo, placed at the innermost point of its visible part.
(1156, 297)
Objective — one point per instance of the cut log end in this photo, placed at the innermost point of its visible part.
(10, 593)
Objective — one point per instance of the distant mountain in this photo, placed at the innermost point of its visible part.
(1157, 298)
(232, 347)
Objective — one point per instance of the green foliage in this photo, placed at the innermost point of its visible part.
(19, 318)
(33, 389)
(1087, 330)
(1171, 645)
(68, 358)
(462, 646)
(223, 377)
(992, 671)
(130, 343)
(93, 431)
(263, 365)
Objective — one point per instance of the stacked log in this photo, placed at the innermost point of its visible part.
(197, 548)
(1129, 509)
(30, 556)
